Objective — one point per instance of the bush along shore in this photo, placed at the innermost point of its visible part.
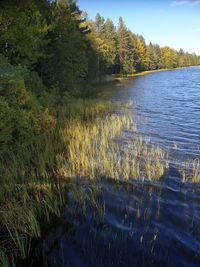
(52, 128)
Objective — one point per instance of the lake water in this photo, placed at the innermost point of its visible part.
(167, 107)
(143, 223)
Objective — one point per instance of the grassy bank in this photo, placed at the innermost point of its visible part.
(87, 141)
(33, 180)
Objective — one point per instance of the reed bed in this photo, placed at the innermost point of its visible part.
(100, 149)
(91, 140)
(190, 171)
(32, 186)
(28, 196)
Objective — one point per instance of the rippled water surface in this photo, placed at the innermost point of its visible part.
(167, 106)
(133, 223)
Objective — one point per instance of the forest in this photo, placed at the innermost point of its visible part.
(50, 51)
(52, 46)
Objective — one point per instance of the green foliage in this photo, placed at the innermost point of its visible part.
(21, 115)
(22, 32)
(124, 48)
(153, 64)
(66, 63)
(47, 49)
(103, 39)
(16, 94)
(169, 57)
(31, 190)
(5, 124)
(155, 56)
(34, 83)
(143, 51)
(64, 48)
(124, 52)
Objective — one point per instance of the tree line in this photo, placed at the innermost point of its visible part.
(48, 49)
(121, 51)
(60, 43)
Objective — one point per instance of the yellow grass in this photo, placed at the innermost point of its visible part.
(98, 149)
(190, 171)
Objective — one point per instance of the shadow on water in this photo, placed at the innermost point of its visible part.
(111, 223)
(126, 224)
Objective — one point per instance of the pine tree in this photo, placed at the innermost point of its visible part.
(22, 31)
(125, 55)
(169, 57)
(109, 35)
(144, 54)
(152, 56)
(66, 63)
(103, 37)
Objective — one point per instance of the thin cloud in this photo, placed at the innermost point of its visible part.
(185, 3)
(197, 30)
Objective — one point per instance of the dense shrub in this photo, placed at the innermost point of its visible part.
(21, 114)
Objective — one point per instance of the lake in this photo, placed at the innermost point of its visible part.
(167, 106)
(138, 223)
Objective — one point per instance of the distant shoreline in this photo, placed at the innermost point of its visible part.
(120, 77)
(142, 73)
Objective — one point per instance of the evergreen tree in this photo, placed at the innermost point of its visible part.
(99, 23)
(158, 56)
(169, 57)
(22, 31)
(144, 54)
(153, 65)
(103, 36)
(125, 55)
(66, 63)
(109, 35)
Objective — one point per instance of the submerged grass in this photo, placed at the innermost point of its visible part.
(32, 188)
(190, 171)
(91, 140)
(196, 171)
(101, 149)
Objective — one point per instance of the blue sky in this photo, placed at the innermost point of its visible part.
(166, 22)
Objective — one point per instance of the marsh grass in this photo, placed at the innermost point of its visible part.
(100, 148)
(32, 186)
(5, 261)
(86, 196)
(91, 140)
(196, 171)
(190, 171)
(21, 216)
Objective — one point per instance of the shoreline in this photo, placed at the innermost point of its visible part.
(142, 73)
(120, 77)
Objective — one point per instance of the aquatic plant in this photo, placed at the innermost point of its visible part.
(190, 171)
(196, 171)
(90, 140)
(100, 148)
(32, 186)
(6, 261)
